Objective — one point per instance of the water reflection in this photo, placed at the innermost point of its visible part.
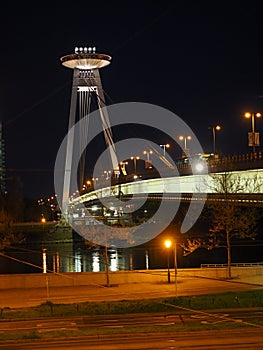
(57, 254)
(77, 262)
(91, 260)
(95, 262)
(113, 260)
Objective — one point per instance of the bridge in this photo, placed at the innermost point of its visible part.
(184, 186)
(185, 182)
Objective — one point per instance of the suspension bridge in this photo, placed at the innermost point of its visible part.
(191, 181)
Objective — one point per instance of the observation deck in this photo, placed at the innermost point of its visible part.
(85, 61)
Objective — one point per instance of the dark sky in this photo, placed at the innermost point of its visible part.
(202, 60)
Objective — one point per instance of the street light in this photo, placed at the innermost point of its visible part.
(95, 179)
(148, 163)
(253, 137)
(214, 130)
(123, 167)
(135, 162)
(175, 267)
(168, 244)
(185, 138)
(107, 174)
(167, 145)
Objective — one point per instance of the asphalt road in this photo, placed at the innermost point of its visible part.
(246, 317)
(221, 340)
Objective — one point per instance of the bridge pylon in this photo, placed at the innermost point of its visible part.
(86, 85)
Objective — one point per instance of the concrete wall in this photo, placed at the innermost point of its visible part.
(17, 281)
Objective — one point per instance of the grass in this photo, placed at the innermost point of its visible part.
(118, 331)
(199, 302)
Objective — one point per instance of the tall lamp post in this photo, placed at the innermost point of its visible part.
(185, 139)
(135, 162)
(214, 130)
(123, 167)
(148, 163)
(107, 174)
(168, 244)
(167, 145)
(253, 137)
(175, 268)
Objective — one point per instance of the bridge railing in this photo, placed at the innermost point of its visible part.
(233, 162)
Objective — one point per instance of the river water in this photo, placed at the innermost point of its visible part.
(68, 252)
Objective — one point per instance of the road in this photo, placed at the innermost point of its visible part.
(221, 340)
(96, 325)
(174, 317)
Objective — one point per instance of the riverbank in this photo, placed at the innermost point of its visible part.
(95, 292)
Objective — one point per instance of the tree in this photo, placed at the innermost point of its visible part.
(97, 236)
(8, 215)
(229, 213)
(232, 214)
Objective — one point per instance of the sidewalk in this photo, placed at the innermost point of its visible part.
(19, 298)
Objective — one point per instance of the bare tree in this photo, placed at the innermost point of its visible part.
(105, 238)
(230, 212)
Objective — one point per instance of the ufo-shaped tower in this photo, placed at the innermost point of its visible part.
(86, 84)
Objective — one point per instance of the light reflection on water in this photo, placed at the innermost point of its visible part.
(94, 261)
(64, 257)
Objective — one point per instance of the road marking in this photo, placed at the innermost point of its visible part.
(56, 326)
(164, 324)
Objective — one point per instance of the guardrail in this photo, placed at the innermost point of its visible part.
(233, 264)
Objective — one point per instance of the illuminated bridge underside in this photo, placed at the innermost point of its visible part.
(173, 187)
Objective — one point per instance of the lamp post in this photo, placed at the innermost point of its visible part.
(168, 244)
(148, 162)
(214, 130)
(123, 167)
(185, 138)
(135, 162)
(253, 137)
(94, 179)
(44, 260)
(107, 174)
(167, 145)
(175, 268)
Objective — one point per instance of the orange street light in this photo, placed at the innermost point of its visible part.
(135, 162)
(214, 130)
(167, 145)
(185, 138)
(148, 164)
(253, 136)
(168, 244)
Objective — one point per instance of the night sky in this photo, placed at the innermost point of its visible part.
(202, 60)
